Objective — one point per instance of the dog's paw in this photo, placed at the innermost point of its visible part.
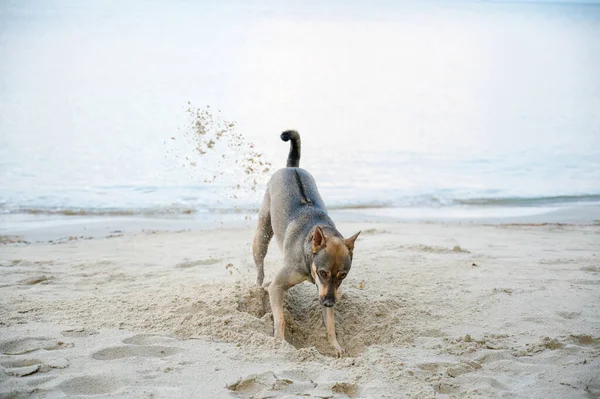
(339, 351)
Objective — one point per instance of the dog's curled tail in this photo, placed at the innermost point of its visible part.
(293, 160)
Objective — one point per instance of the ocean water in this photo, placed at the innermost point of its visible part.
(452, 106)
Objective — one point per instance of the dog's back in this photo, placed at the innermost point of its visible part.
(294, 195)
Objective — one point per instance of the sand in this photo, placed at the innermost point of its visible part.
(428, 310)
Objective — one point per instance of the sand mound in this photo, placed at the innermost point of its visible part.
(243, 315)
(240, 313)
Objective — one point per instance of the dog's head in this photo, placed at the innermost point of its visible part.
(332, 260)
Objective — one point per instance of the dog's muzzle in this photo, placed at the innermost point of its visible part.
(329, 302)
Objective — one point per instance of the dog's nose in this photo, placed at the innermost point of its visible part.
(328, 302)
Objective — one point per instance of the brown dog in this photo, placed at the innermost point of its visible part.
(313, 250)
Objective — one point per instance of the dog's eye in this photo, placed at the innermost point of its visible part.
(323, 273)
(342, 276)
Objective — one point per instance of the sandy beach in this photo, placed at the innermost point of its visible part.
(137, 140)
(428, 310)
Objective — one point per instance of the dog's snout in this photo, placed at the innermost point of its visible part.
(329, 302)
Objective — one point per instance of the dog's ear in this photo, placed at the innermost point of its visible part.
(318, 240)
(350, 242)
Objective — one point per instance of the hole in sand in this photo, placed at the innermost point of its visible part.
(21, 363)
(360, 321)
(586, 340)
(346, 388)
(134, 351)
(88, 385)
(148, 339)
(25, 345)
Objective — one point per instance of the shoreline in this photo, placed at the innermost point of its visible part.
(45, 228)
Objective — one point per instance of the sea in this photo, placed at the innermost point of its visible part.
(405, 108)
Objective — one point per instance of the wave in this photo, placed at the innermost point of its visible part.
(437, 201)
(529, 201)
(423, 201)
(102, 212)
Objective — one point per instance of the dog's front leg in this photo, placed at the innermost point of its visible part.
(276, 293)
(331, 337)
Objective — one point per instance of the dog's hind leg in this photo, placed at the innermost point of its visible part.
(262, 237)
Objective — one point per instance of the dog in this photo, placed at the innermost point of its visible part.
(313, 249)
